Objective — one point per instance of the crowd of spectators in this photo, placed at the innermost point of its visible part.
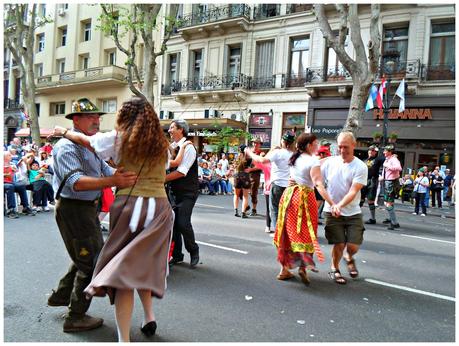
(27, 167)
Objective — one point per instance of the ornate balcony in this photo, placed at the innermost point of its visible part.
(266, 11)
(215, 87)
(262, 83)
(439, 72)
(217, 19)
(408, 69)
(9, 104)
(296, 8)
(74, 80)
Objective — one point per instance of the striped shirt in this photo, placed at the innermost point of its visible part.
(69, 156)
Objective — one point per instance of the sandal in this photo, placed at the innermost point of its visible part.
(336, 276)
(285, 276)
(352, 269)
(304, 276)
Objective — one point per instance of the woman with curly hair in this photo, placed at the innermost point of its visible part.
(135, 254)
(296, 229)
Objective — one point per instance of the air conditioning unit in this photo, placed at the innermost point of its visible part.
(233, 116)
(61, 12)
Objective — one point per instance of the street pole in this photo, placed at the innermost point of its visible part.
(386, 113)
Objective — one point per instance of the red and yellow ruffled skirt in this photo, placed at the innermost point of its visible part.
(296, 229)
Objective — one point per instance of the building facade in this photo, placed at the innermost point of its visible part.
(263, 68)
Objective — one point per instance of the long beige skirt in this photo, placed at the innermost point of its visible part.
(134, 260)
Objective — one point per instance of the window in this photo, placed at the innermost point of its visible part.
(114, 29)
(57, 108)
(265, 59)
(43, 10)
(299, 60)
(234, 63)
(66, 6)
(196, 68)
(173, 68)
(87, 31)
(109, 106)
(63, 35)
(41, 42)
(84, 61)
(293, 122)
(60, 65)
(335, 69)
(442, 52)
(37, 105)
(396, 38)
(38, 70)
(294, 8)
(111, 57)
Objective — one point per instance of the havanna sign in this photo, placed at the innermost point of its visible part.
(407, 114)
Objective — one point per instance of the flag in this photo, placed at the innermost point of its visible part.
(401, 93)
(24, 116)
(381, 92)
(371, 98)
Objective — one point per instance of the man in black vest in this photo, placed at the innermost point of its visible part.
(184, 185)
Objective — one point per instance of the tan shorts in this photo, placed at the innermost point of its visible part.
(344, 229)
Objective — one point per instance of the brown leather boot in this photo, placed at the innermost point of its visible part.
(80, 324)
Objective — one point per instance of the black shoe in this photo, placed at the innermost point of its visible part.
(194, 258)
(28, 211)
(386, 221)
(396, 225)
(393, 226)
(244, 216)
(236, 213)
(56, 300)
(11, 214)
(254, 212)
(149, 329)
(370, 221)
(176, 260)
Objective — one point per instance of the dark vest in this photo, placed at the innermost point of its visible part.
(190, 182)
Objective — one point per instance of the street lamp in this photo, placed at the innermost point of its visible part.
(391, 58)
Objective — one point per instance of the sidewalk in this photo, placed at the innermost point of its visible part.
(407, 207)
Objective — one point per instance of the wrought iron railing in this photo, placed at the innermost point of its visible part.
(11, 104)
(67, 76)
(213, 15)
(295, 8)
(266, 11)
(403, 69)
(438, 72)
(337, 73)
(208, 83)
(262, 83)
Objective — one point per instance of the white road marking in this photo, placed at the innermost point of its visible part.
(222, 247)
(404, 288)
(431, 239)
(210, 206)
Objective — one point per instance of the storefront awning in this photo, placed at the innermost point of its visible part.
(25, 132)
(200, 124)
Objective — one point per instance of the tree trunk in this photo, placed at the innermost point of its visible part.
(149, 76)
(357, 104)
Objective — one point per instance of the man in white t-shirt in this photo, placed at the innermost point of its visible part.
(346, 175)
(224, 162)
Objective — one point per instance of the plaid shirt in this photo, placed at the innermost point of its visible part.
(69, 156)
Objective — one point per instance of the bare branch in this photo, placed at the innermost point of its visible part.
(327, 32)
(356, 38)
(374, 45)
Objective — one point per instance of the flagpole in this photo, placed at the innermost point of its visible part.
(386, 111)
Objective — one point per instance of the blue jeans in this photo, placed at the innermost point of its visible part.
(10, 189)
(427, 198)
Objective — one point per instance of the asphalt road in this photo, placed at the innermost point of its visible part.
(405, 292)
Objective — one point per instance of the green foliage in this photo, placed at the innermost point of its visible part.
(377, 134)
(393, 135)
(223, 137)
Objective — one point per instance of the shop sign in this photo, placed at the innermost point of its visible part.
(326, 131)
(262, 120)
(264, 135)
(407, 114)
(201, 134)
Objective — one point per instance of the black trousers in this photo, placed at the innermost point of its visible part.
(436, 195)
(80, 229)
(182, 224)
